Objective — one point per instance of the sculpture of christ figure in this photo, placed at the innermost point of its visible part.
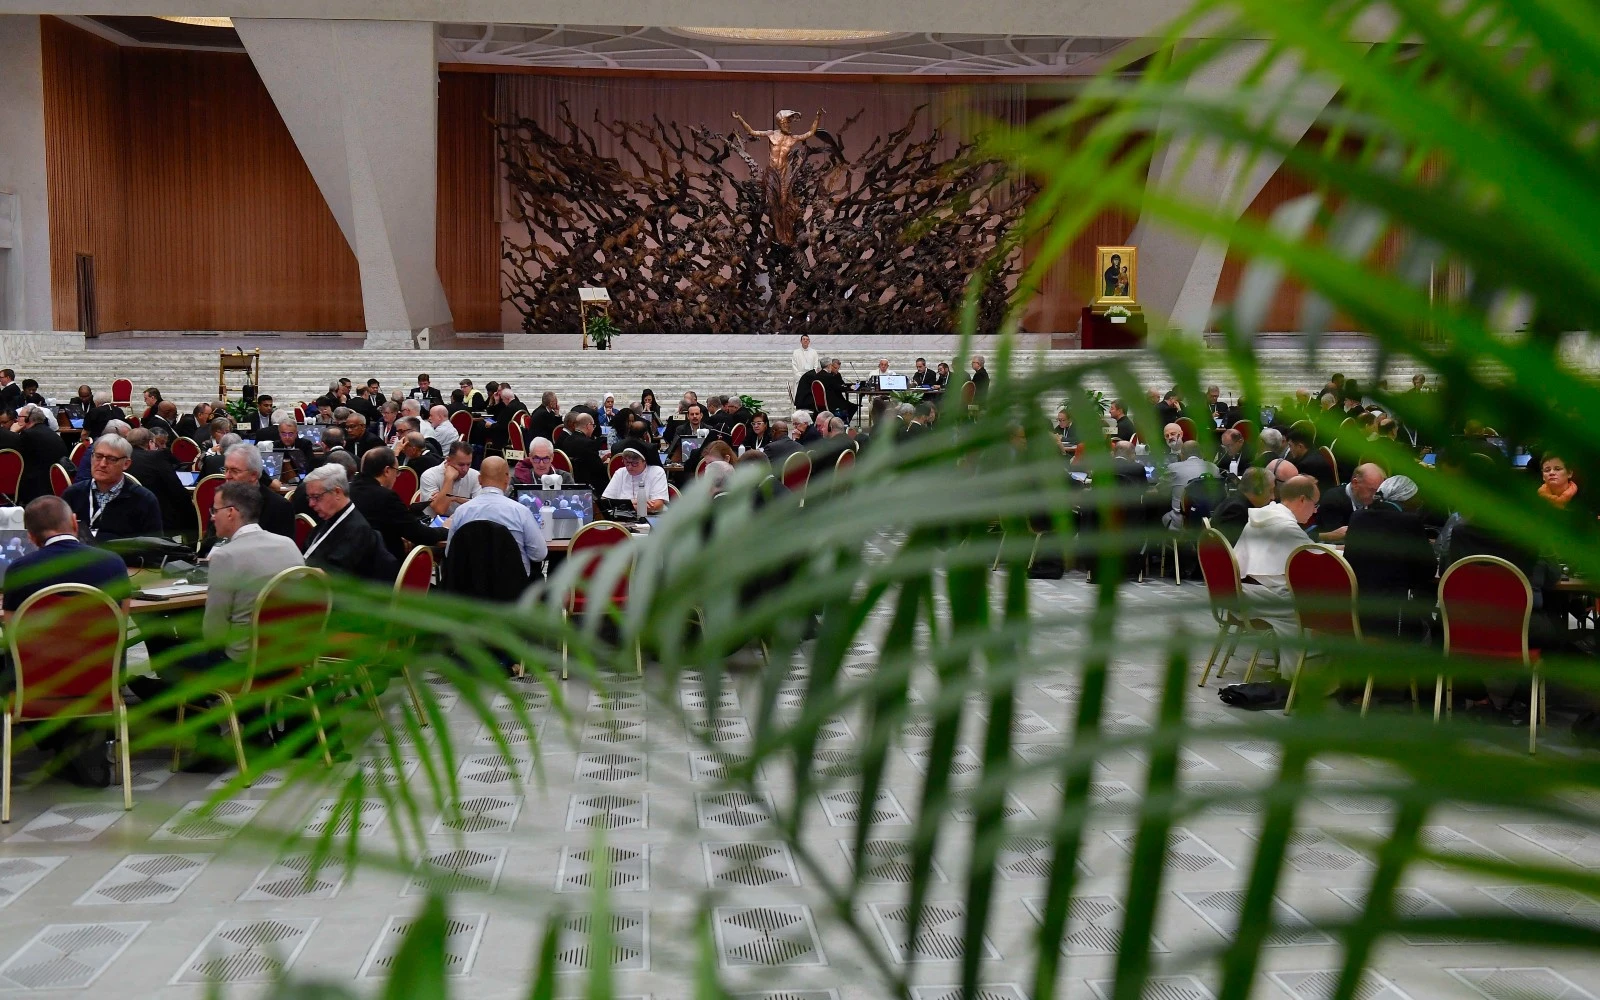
(776, 180)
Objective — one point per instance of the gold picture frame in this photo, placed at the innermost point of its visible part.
(1125, 260)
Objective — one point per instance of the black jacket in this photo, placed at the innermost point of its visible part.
(501, 413)
(430, 397)
(833, 389)
(347, 544)
(11, 397)
(393, 519)
(1335, 509)
(1125, 428)
(725, 422)
(1314, 464)
(94, 422)
(1230, 516)
(425, 461)
(586, 465)
(483, 561)
(158, 473)
(542, 423)
(1389, 551)
(40, 447)
(780, 449)
(134, 513)
(277, 516)
(980, 384)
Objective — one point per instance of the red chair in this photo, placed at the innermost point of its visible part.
(1187, 426)
(122, 392)
(10, 473)
(1322, 587)
(1247, 429)
(304, 525)
(1220, 569)
(560, 461)
(133, 420)
(796, 473)
(405, 483)
(415, 577)
(461, 420)
(737, 437)
(66, 647)
(969, 393)
(847, 459)
(77, 452)
(60, 479)
(614, 464)
(819, 398)
(204, 492)
(522, 418)
(185, 451)
(299, 413)
(592, 540)
(1333, 463)
(1485, 603)
(290, 610)
(555, 435)
(672, 493)
(514, 431)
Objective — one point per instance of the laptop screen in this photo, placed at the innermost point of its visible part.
(894, 382)
(14, 544)
(311, 432)
(575, 503)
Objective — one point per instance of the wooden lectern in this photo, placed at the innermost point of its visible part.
(238, 361)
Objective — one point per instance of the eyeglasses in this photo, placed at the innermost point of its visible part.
(218, 510)
(101, 456)
(541, 458)
(314, 497)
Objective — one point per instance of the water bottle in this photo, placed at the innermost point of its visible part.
(638, 501)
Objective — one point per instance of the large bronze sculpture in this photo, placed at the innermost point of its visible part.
(781, 208)
(675, 226)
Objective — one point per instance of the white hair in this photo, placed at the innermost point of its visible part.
(102, 397)
(1272, 439)
(717, 474)
(252, 456)
(542, 442)
(119, 427)
(331, 476)
(116, 443)
(411, 407)
(281, 414)
(801, 417)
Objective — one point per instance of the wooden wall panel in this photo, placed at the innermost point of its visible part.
(468, 241)
(175, 170)
(226, 228)
(84, 119)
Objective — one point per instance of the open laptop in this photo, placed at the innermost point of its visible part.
(561, 512)
(311, 432)
(895, 383)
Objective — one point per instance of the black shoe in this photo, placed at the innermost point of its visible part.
(89, 766)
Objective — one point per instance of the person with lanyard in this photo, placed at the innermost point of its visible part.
(109, 505)
(639, 476)
(344, 543)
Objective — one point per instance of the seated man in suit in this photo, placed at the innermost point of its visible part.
(62, 558)
(1233, 513)
(414, 452)
(110, 506)
(539, 463)
(782, 445)
(583, 448)
(242, 464)
(344, 543)
(155, 470)
(395, 521)
(39, 445)
(732, 413)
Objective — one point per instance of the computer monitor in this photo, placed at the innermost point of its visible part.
(896, 383)
(687, 446)
(311, 432)
(187, 478)
(559, 512)
(14, 544)
(273, 463)
(1522, 460)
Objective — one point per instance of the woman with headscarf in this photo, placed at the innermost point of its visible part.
(641, 473)
(1387, 546)
(608, 412)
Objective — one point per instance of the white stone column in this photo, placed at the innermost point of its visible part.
(361, 100)
(1178, 273)
(25, 302)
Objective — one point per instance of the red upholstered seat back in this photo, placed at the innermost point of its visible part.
(10, 472)
(1246, 428)
(1187, 426)
(121, 392)
(1486, 603)
(615, 464)
(796, 471)
(66, 643)
(847, 458)
(737, 437)
(290, 616)
(60, 479)
(1220, 570)
(587, 546)
(405, 484)
(560, 462)
(516, 436)
(819, 397)
(205, 491)
(1324, 591)
(461, 420)
(416, 573)
(77, 452)
(185, 451)
(304, 525)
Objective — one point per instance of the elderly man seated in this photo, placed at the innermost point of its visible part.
(441, 429)
(1231, 515)
(538, 464)
(1340, 504)
(344, 543)
(110, 506)
(1231, 457)
(1271, 534)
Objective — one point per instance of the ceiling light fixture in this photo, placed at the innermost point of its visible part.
(202, 22)
(791, 36)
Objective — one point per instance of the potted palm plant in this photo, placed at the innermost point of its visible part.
(601, 331)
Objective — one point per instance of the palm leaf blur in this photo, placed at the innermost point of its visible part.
(896, 598)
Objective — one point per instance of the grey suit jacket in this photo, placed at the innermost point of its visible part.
(239, 569)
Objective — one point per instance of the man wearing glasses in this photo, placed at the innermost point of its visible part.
(110, 505)
(344, 542)
(539, 463)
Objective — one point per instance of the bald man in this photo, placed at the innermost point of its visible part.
(1340, 504)
(494, 504)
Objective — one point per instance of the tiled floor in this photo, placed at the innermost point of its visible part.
(151, 904)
